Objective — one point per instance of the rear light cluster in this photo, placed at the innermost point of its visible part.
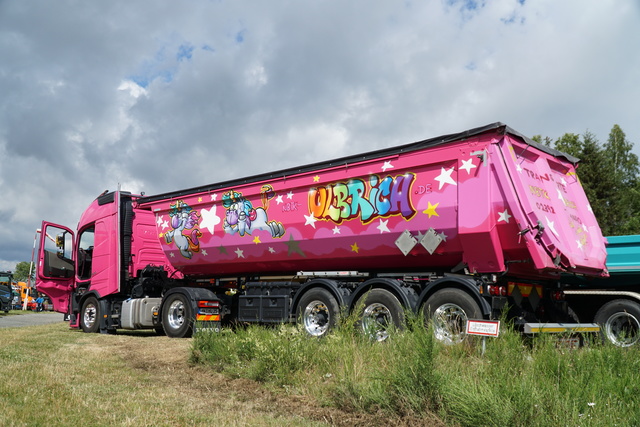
(208, 311)
(497, 290)
(209, 304)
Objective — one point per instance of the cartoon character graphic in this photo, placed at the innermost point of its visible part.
(183, 217)
(241, 217)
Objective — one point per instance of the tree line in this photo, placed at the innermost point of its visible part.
(609, 175)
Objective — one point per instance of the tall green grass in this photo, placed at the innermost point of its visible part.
(515, 382)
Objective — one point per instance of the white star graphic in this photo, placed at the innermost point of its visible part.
(271, 250)
(504, 216)
(214, 197)
(310, 220)
(387, 165)
(445, 177)
(209, 219)
(204, 252)
(336, 230)
(172, 255)
(239, 252)
(560, 195)
(290, 195)
(468, 165)
(551, 226)
(584, 227)
(563, 181)
(165, 224)
(279, 199)
(159, 219)
(519, 168)
(579, 244)
(383, 226)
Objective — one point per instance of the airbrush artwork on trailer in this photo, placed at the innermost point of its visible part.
(431, 207)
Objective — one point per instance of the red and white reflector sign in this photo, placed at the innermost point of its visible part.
(486, 328)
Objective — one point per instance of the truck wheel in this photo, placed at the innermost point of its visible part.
(619, 322)
(90, 315)
(177, 316)
(380, 312)
(318, 311)
(449, 310)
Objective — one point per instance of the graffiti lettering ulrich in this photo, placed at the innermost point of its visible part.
(367, 200)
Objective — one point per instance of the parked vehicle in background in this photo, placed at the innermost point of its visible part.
(613, 302)
(6, 291)
(462, 226)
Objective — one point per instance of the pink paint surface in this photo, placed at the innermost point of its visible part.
(498, 203)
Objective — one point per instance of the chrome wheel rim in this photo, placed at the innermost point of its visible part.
(622, 329)
(316, 318)
(450, 324)
(376, 319)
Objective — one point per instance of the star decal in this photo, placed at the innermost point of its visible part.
(468, 165)
(239, 252)
(443, 236)
(199, 199)
(551, 226)
(336, 230)
(386, 165)
(445, 177)
(355, 248)
(271, 250)
(311, 220)
(383, 226)
(504, 216)
(209, 219)
(256, 240)
(204, 252)
(223, 250)
(172, 255)
(560, 195)
(165, 224)
(279, 199)
(294, 247)
(290, 195)
(579, 244)
(519, 168)
(431, 210)
(159, 219)
(316, 178)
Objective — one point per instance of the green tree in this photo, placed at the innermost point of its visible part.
(21, 272)
(609, 176)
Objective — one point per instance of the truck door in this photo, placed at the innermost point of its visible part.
(56, 267)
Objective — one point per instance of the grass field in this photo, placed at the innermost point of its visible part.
(515, 382)
(278, 376)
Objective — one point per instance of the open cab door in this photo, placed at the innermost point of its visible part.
(56, 267)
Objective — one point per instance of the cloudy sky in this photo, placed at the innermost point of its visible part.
(158, 95)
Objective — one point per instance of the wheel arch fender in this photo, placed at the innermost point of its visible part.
(465, 284)
(405, 295)
(327, 284)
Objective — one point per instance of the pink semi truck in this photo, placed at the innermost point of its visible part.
(463, 226)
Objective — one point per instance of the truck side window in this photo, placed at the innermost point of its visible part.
(58, 261)
(85, 253)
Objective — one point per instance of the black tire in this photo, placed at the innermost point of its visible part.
(449, 310)
(177, 316)
(619, 322)
(318, 312)
(90, 315)
(380, 311)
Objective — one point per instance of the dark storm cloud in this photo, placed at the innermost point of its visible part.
(156, 96)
